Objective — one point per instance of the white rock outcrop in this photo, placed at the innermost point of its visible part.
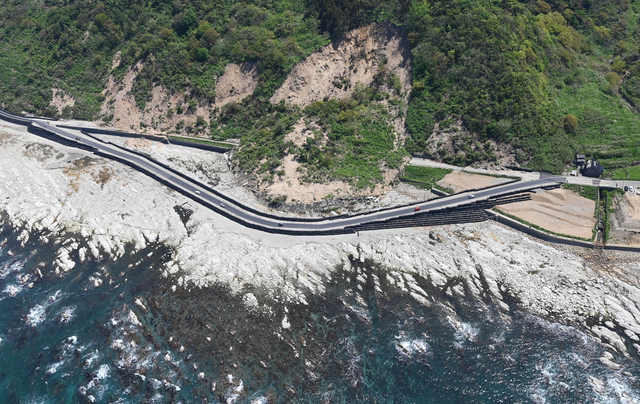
(51, 191)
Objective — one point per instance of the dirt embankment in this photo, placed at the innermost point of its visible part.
(459, 181)
(161, 113)
(625, 220)
(333, 72)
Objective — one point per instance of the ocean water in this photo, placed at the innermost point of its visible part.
(117, 332)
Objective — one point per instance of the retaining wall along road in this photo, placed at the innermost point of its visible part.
(464, 214)
(186, 143)
(217, 193)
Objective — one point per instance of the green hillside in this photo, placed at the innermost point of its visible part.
(550, 78)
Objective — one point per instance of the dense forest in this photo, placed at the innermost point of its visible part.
(548, 78)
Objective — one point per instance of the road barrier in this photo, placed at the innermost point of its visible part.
(18, 120)
(217, 193)
(475, 212)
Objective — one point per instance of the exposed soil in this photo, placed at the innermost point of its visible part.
(461, 181)
(117, 58)
(160, 114)
(625, 221)
(291, 185)
(238, 82)
(559, 210)
(60, 100)
(334, 70)
(141, 143)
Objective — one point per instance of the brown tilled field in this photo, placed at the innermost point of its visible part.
(559, 210)
(462, 181)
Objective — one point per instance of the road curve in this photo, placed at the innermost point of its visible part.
(200, 193)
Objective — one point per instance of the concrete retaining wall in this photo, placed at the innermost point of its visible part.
(185, 143)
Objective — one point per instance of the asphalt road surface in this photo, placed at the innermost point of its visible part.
(198, 193)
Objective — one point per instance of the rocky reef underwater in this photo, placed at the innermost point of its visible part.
(119, 331)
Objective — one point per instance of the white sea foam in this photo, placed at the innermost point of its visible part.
(11, 267)
(36, 315)
(55, 297)
(408, 347)
(103, 372)
(155, 383)
(232, 398)
(66, 314)
(259, 400)
(53, 368)
(12, 290)
(539, 396)
(157, 398)
(91, 358)
(619, 392)
(463, 331)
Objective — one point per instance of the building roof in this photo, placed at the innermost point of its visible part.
(592, 168)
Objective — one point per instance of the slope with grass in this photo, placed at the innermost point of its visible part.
(537, 80)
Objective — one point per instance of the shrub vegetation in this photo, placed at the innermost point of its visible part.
(548, 77)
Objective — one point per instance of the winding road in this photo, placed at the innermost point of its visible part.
(200, 193)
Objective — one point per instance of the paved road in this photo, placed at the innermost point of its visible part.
(424, 162)
(528, 176)
(197, 192)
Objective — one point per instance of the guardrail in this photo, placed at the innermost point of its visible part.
(422, 217)
(217, 193)
(18, 120)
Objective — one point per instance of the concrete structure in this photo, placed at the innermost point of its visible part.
(592, 169)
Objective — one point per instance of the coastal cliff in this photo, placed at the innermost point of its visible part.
(92, 208)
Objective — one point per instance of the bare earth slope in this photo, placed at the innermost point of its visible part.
(237, 82)
(334, 70)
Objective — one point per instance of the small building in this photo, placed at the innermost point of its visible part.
(580, 159)
(592, 168)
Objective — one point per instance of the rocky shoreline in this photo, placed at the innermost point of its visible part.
(93, 208)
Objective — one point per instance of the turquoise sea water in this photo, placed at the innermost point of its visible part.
(117, 332)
